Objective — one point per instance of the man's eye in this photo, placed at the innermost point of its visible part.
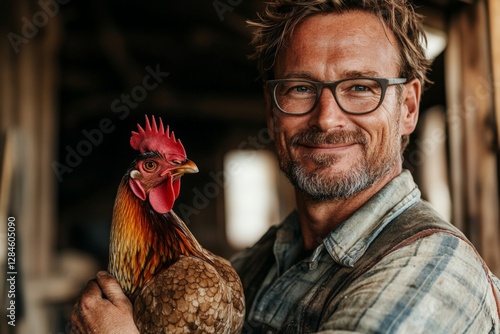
(149, 166)
(300, 90)
(359, 88)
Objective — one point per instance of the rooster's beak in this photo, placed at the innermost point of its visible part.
(187, 167)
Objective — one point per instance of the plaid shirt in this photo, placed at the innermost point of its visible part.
(435, 284)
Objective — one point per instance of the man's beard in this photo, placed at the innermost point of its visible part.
(320, 187)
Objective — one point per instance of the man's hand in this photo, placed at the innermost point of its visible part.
(103, 308)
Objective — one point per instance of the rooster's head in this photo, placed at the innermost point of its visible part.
(155, 174)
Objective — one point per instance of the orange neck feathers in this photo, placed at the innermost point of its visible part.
(143, 242)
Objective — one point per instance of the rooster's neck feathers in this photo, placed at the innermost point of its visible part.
(144, 242)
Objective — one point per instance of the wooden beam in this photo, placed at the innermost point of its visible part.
(241, 107)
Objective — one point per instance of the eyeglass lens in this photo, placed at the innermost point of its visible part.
(353, 95)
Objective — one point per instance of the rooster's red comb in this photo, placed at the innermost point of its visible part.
(155, 138)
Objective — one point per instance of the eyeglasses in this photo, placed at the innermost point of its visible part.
(354, 95)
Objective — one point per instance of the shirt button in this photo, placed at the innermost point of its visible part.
(313, 265)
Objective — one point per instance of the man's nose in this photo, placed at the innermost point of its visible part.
(327, 114)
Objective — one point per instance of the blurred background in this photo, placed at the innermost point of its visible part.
(76, 77)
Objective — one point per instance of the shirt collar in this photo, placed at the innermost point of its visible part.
(348, 242)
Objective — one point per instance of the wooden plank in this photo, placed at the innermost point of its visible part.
(47, 139)
(486, 176)
(453, 78)
(494, 34)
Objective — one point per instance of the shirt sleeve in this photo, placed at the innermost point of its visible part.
(435, 285)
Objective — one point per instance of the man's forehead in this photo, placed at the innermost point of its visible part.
(345, 38)
(351, 25)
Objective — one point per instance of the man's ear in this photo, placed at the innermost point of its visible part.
(410, 106)
(269, 112)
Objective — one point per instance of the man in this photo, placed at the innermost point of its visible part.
(362, 253)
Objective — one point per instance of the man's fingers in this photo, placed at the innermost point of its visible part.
(111, 288)
(102, 308)
(87, 299)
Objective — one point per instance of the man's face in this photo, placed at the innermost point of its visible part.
(328, 153)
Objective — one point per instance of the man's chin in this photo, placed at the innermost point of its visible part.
(337, 168)
(329, 183)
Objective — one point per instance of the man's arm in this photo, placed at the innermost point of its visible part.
(103, 308)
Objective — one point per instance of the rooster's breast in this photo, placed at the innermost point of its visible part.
(191, 296)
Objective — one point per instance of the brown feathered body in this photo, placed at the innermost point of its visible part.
(174, 284)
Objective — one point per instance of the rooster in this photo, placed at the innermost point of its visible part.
(174, 284)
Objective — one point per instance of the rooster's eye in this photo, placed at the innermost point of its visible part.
(149, 166)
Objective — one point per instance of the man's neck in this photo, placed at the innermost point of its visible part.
(318, 219)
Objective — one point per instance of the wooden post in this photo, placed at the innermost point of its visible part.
(28, 115)
(472, 131)
(494, 25)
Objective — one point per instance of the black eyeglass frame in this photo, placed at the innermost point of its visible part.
(383, 82)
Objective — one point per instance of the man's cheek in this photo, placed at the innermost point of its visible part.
(277, 123)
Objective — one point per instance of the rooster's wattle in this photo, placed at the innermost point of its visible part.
(174, 284)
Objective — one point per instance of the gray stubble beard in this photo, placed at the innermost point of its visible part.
(319, 187)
